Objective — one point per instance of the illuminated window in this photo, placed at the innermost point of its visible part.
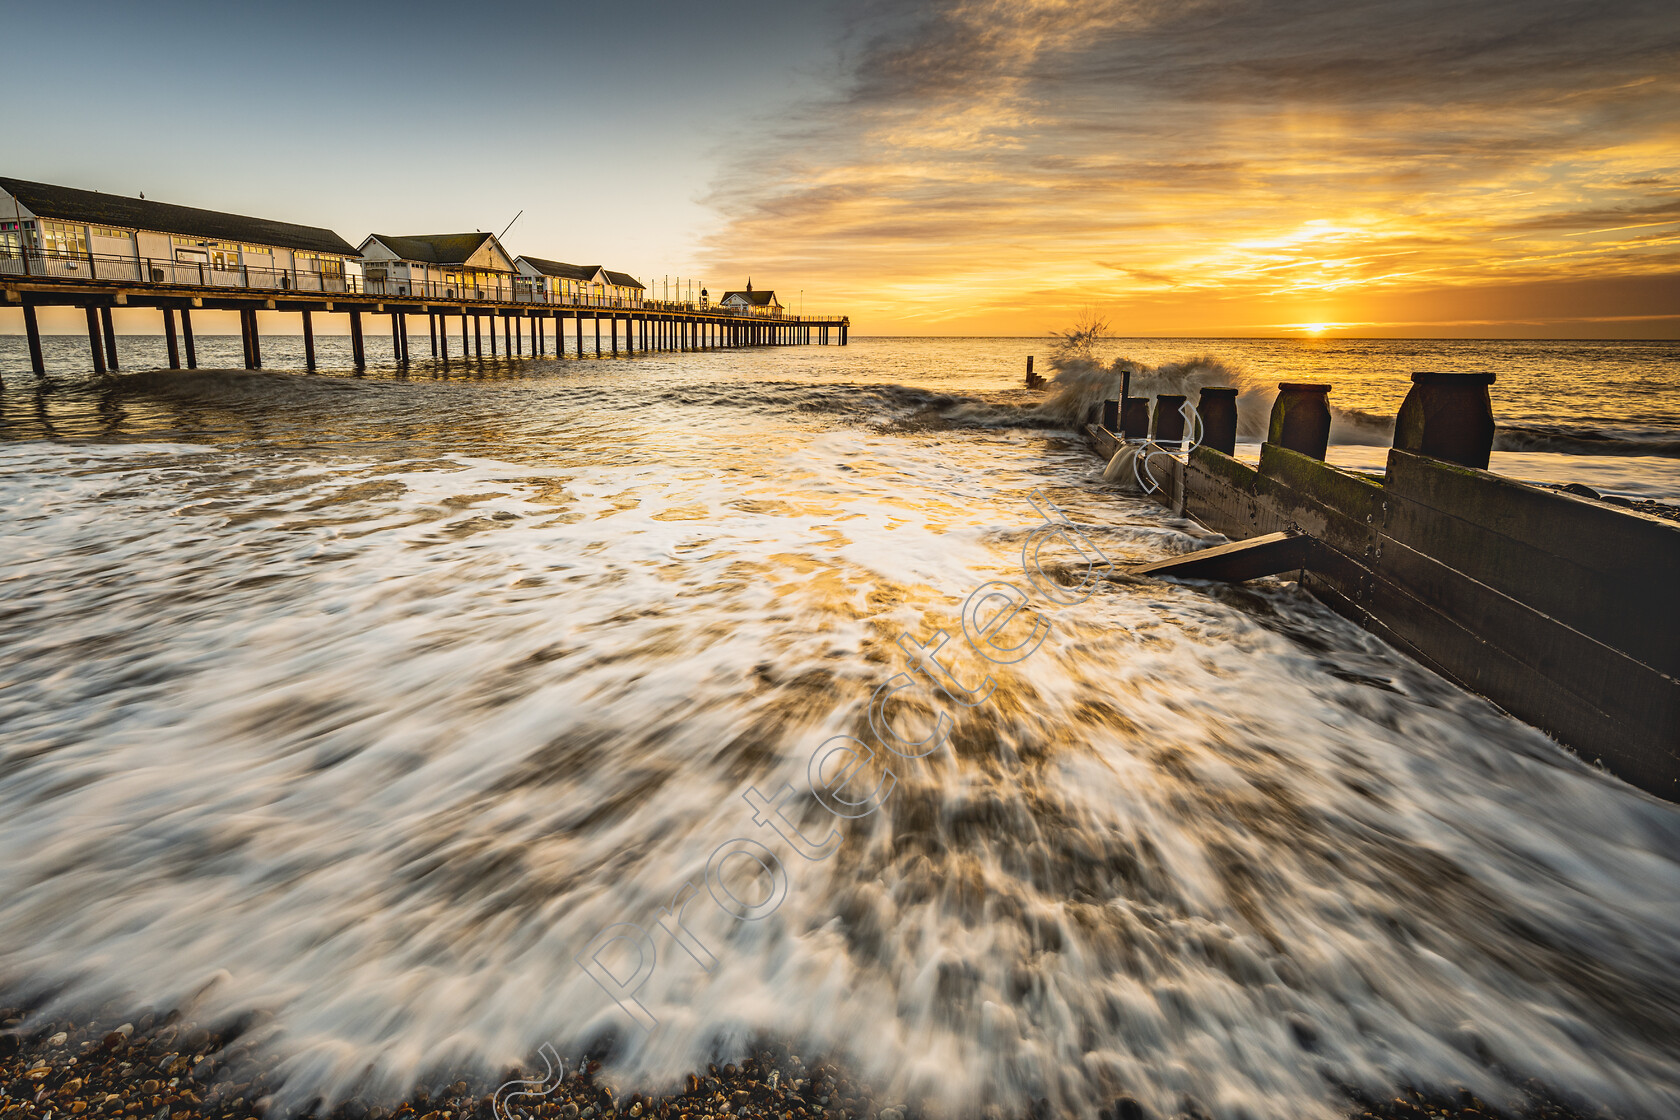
(110, 231)
(62, 239)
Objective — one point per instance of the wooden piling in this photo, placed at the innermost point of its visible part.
(1217, 406)
(169, 337)
(95, 343)
(358, 352)
(309, 341)
(110, 338)
(187, 337)
(37, 362)
(597, 318)
(1301, 419)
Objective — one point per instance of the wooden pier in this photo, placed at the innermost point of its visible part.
(523, 327)
(1563, 611)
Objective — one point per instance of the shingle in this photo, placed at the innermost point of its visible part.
(95, 208)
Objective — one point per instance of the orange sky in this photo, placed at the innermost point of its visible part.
(1185, 167)
(1406, 168)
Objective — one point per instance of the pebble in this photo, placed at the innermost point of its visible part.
(156, 1069)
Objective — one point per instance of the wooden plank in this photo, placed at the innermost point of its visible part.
(1622, 544)
(1440, 642)
(1606, 678)
(1639, 617)
(1240, 560)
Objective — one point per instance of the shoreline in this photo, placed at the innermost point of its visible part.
(163, 1066)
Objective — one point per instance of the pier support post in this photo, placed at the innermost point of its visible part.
(1301, 419)
(577, 321)
(396, 338)
(478, 337)
(33, 330)
(494, 315)
(245, 337)
(358, 353)
(169, 337)
(309, 341)
(443, 337)
(95, 343)
(507, 334)
(431, 325)
(466, 344)
(1447, 416)
(256, 340)
(187, 337)
(1217, 407)
(597, 318)
(110, 338)
(614, 322)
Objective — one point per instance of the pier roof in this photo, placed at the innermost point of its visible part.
(623, 280)
(97, 208)
(433, 248)
(563, 270)
(754, 299)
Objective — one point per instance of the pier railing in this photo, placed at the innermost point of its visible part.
(42, 264)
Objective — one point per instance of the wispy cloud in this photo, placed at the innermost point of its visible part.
(1000, 164)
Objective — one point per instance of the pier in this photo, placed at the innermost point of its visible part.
(67, 247)
(465, 328)
(1561, 610)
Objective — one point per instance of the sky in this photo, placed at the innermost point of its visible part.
(1408, 168)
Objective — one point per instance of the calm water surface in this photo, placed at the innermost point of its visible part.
(370, 700)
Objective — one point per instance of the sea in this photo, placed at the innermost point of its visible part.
(443, 711)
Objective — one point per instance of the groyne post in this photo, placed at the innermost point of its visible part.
(1217, 407)
(1134, 417)
(1169, 418)
(1448, 416)
(1110, 413)
(1301, 419)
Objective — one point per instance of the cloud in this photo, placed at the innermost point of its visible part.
(975, 148)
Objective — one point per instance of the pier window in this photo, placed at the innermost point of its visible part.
(15, 235)
(61, 239)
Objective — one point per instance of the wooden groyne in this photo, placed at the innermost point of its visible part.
(1563, 611)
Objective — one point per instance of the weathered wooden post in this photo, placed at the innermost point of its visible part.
(1134, 417)
(357, 353)
(187, 337)
(33, 330)
(245, 338)
(1448, 416)
(1217, 407)
(308, 340)
(1169, 418)
(110, 338)
(431, 323)
(1110, 413)
(95, 343)
(169, 336)
(1301, 419)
